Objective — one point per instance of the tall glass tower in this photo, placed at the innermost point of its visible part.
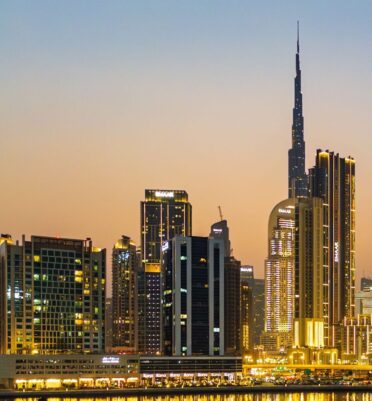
(297, 177)
(164, 215)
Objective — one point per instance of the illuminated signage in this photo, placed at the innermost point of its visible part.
(165, 246)
(246, 269)
(337, 252)
(110, 359)
(164, 194)
(217, 230)
(285, 211)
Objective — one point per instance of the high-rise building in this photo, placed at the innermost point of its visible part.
(220, 231)
(108, 325)
(279, 277)
(333, 180)
(246, 308)
(365, 283)
(232, 306)
(193, 296)
(53, 296)
(164, 215)
(363, 302)
(297, 178)
(309, 327)
(258, 310)
(124, 295)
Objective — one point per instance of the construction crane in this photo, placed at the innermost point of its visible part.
(220, 211)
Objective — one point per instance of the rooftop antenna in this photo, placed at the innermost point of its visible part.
(220, 212)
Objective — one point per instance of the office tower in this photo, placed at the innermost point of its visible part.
(279, 277)
(297, 178)
(365, 283)
(246, 308)
(333, 180)
(55, 296)
(220, 231)
(164, 214)
(193, 296)
(258, 309)
(363, 302)
(108, 325)
(232, 306)
(309, 327)
(124, 295)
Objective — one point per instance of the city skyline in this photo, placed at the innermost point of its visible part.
(69, 138)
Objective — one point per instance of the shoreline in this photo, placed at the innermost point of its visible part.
(44, 394)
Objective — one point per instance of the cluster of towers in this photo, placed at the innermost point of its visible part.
(178, 294)
(181, 295)
(310, 267)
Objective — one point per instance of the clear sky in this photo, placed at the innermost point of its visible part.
(102, 99)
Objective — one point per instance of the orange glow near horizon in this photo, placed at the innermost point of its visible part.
(98, 106)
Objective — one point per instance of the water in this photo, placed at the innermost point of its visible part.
(339, 396)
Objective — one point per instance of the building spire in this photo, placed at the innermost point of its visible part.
(298, 37)
(297, 178)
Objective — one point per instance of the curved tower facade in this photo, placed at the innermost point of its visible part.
(279, 276)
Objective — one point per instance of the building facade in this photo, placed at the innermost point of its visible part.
(279, 276)
(108, 325)
(193, 296)
(357, 339)
(164, 215)
(333, 180)
(124, 295)
(308, 326)
(52, 296)
(365, 283)
(246, 308)
(220, 231)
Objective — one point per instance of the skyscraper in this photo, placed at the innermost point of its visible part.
(333, 180)
(258, 310)
(309, 327)
(53, 296)
(193, 296)
(297, 178)
(246, 308)
(108, 325)
(220, 231)
(124, 295)
(279, 277)
(164, 214)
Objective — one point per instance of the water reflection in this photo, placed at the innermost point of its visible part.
(227, 397)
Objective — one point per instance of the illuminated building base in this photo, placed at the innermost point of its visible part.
(320, 356)
(309, 333)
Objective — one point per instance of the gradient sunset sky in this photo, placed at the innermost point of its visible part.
(102, 99)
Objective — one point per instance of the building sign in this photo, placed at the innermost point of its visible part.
(164, 194)
(165, 246)
(337, 252)
(111, 359)
(285, 211)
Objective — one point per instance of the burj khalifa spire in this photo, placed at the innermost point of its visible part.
(297, 177)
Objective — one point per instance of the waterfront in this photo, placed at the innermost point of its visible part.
(303, 396)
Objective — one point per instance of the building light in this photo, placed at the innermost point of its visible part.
(110, 359)
(164, 194)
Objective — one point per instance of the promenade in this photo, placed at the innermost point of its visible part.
(44, 395)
